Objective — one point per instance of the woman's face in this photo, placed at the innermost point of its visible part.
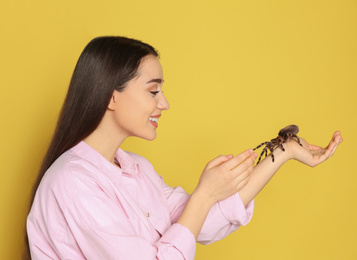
(137, 109)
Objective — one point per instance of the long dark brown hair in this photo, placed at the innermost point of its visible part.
(106, 64)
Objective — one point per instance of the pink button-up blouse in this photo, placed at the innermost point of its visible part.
(88, 208)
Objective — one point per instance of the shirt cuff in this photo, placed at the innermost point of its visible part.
(181, 237)
(234, 211)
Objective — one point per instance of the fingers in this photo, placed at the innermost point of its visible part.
(242, 183)
(237, 160)
(241, 173)
(336, 140)
(335, 134)
(218, 161)
(243, 178)
(238, 168)
(226, 175)
(324, 153)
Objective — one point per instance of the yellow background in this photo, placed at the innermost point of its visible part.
(235, 73)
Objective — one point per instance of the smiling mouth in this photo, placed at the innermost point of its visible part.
(154, 119)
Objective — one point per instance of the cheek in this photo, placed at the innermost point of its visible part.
(147, 105)
(137, 106)
(142, 108)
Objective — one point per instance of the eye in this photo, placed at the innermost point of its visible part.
(154, 93)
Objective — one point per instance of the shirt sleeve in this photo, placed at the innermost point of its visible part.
(224, 217)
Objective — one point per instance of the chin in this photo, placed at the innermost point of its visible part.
(150, 137)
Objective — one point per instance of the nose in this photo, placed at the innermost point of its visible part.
(163, 104)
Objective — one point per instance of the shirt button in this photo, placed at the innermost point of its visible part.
(147, 215)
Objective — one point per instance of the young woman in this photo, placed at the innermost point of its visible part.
(96, 201)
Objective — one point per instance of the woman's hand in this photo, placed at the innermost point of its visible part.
(225, 176)
(313, 155)
(221, 178)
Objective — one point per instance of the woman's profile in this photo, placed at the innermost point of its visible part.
(92, 200)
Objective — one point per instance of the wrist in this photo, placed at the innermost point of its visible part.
(283, 156)
(290, 149)
(202, 199)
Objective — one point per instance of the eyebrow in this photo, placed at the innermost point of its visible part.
(160, 81)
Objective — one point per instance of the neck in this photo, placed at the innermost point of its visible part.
(106, 140)
(106, 148)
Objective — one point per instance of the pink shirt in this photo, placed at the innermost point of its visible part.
(88, 208)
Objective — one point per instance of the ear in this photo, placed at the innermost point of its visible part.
(113, 101)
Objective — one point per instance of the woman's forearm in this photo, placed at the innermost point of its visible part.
(195, 213)
(261, 175)
(198, 206)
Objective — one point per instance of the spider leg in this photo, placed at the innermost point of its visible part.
(282, 147)
(271, 149)
(297, 138)
(265, 143)
(261, 154)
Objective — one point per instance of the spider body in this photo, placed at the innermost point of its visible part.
(289, 132)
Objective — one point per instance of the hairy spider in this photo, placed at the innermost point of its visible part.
(284, 135)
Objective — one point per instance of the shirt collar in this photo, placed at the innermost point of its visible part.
(127, 164)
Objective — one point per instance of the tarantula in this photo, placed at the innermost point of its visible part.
(284, 135)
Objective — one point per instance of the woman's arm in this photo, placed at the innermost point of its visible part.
(227, 175)
(311, 155)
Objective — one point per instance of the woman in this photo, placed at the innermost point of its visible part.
(95, 201)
